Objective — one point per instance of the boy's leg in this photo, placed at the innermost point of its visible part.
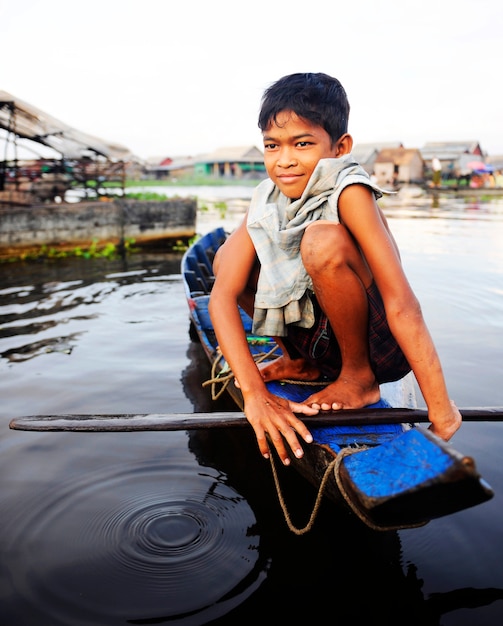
(340, 279)
(289, 364)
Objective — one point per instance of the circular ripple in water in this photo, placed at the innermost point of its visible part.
(143, 545)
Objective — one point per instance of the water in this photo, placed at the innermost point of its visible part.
(206, 193)
(185, 528)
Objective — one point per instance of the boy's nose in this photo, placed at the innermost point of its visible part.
(286, 158)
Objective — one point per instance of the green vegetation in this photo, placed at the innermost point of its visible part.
(220, 206)
(105, 251)
(182, 181)
(192, 181)
(147, 195)
(185, 181)
(182, 246)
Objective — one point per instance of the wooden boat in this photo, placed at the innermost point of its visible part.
(391, 475)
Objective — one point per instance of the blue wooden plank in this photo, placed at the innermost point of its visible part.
(199, 251)
(201, 310)
(397, 466)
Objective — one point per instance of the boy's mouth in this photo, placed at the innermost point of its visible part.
(289, 178)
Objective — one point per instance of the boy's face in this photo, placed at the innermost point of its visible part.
(292, 148)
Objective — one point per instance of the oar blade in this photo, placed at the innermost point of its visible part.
(194, 421)
(127, 422)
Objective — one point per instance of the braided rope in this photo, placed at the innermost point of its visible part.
(312, 383)
(224, 377)
(316, 506)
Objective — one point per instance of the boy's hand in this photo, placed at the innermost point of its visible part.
(445, 424)
(270, 415)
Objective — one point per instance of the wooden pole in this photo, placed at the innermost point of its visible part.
(126, 422)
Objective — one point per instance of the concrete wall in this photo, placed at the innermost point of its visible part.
(67, 226)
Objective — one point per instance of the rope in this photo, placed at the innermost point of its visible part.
(316, 507)
(364, 518)
(333, 466)
(313, 383)
(223, 378)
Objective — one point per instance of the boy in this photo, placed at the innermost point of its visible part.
(316, 266)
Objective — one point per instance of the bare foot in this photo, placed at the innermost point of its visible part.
(345, 393)
(285, 368)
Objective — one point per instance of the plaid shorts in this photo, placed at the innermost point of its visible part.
(319, 344)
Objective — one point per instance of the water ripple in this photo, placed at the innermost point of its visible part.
(136, 546)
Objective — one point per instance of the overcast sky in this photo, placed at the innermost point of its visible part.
(184, 77)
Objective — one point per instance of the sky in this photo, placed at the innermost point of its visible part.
(173, 78)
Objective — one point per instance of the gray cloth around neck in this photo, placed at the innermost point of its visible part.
(276, 225)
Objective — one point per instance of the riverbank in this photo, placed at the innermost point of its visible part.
(26, 231)
(178, 212)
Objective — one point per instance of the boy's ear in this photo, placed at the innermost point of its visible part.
(344, 145)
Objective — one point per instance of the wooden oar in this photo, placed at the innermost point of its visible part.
(126, 422)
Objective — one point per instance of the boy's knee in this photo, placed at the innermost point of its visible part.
(322, 241)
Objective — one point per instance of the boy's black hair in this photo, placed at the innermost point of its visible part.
(318, 98)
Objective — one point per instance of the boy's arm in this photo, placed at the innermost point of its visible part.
(267, 413)
(364, 219)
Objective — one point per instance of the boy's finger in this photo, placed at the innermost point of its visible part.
(291, 436)
(279, 444)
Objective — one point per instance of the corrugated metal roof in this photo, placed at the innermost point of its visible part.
(449, 150)
(233, 154)
(364, 152)
(398, 156)
(27, 121)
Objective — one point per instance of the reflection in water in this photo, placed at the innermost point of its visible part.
(55, 302)
(198, 371)
(51, 344)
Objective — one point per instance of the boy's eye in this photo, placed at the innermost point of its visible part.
(303, 144)
(270, 146)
